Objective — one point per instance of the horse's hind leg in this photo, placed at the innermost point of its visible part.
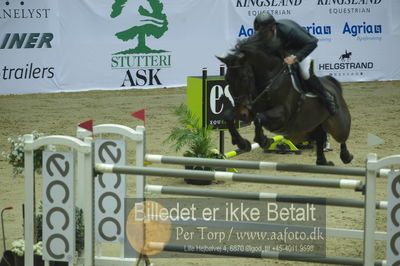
(320, 138)
(345, 155)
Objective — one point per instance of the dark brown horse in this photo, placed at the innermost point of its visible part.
(263, 92)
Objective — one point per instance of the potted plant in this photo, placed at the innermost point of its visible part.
(18, 246)
(15, 156)
(195, 138)
(18, 250)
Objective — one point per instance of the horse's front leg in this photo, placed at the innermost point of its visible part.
(237, 139)
(320, 139)
(259, 136)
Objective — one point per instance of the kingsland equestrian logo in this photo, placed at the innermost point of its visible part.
(267, 3)
(338, 7)
(347, 2)
(142, 62)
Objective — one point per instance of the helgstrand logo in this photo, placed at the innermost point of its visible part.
(142, 62)
(344, 65)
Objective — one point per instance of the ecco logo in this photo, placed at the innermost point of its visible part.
(26, 40)
(393, 219)
(58, 205)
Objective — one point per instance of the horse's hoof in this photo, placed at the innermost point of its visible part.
(346, 159)
(248, 146)
(261, 141)
(245, 145)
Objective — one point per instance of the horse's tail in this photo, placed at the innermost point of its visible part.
(336, 82)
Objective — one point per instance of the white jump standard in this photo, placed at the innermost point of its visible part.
(84, 157)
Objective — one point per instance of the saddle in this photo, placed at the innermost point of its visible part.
(298, 81)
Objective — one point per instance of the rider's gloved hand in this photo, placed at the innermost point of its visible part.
(291, 59)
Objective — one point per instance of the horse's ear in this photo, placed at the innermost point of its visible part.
(223, 59)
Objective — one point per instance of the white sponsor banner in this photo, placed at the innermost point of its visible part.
(112, 44)
(28, 42)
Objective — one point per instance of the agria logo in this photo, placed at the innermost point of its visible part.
(318, 29)
(142, 62)
(364, 31)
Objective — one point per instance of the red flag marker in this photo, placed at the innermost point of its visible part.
(139, 114)
(88, 125)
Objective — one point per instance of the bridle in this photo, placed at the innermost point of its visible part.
(267, 89)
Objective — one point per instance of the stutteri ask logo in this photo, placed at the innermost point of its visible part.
(143, 64)
(155, 24)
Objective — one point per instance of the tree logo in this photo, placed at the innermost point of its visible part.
(155, 24)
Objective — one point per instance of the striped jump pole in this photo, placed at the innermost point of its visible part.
(260, 254)
(231, 154)
(228, 176)
(260, 165)
(261, 196)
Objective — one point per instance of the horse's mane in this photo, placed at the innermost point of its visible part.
(257, 44)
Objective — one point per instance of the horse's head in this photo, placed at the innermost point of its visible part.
(251, 64)
(241, 81)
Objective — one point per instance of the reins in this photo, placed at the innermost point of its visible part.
(267, 88)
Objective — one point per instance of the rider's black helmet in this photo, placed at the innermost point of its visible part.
(263, 20)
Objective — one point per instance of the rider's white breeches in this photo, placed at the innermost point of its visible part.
(305, 67)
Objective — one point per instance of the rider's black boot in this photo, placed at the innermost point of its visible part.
(328, 98)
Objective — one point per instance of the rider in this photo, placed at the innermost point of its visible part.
(296, 39)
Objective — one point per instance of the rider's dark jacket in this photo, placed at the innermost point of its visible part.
(295, 39)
